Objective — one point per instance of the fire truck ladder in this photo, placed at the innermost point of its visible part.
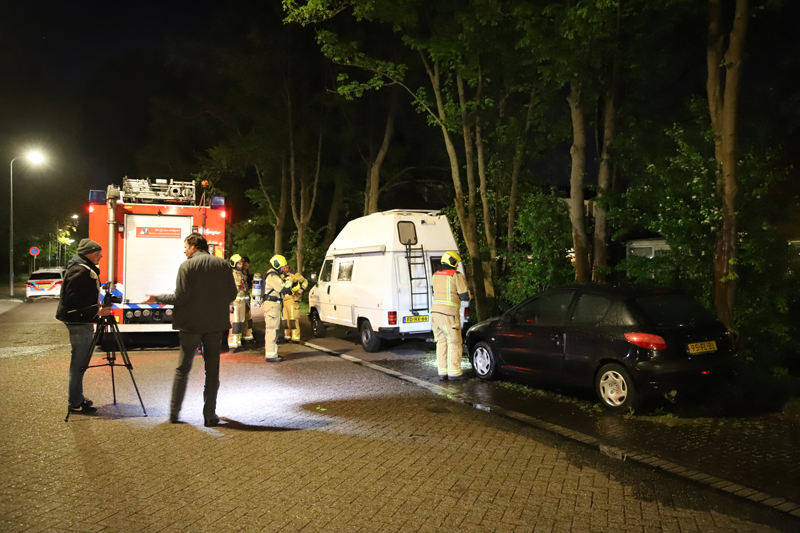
(418, 279)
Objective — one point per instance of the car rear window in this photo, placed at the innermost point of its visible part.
(39, 276)
(672, 310)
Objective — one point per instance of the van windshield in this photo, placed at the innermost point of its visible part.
(327, 267)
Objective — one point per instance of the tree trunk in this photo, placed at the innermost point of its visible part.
(604, 175)
(604, 186)
(283, 204)
(307, 199)
(519, 155)
(465, 213)
(580, 242)
(723, 108)
(374, 172)
(490, 270)
(333, 215)
(469, 156)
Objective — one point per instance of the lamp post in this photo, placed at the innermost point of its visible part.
(35, 158)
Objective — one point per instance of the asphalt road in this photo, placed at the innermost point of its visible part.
(316, 443)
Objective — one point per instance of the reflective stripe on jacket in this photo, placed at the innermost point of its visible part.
(449, 290)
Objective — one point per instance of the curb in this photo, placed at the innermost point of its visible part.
(755, 496)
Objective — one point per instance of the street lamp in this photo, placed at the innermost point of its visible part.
(35, 158)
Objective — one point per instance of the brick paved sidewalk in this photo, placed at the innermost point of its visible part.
(312, 444)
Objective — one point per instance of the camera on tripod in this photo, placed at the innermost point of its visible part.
(110, 299)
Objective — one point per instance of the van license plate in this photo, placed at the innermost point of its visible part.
(411, 319)
(702, 347)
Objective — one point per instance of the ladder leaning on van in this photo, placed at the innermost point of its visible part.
(418, 279)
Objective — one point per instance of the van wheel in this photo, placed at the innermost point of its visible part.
(317, 327)
(369, 340)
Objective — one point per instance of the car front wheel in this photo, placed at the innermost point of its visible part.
(615, 388)
(484, 361)
(369, 339)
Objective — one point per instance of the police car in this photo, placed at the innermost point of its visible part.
(45, 282)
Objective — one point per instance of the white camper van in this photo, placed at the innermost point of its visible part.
(376, 276)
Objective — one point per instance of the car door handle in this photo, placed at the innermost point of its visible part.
(329, 289)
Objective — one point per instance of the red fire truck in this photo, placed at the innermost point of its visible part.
(141, 228)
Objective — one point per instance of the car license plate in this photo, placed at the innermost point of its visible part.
(702, 347)
(411, 319)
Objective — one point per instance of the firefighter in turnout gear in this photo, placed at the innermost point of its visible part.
(291, 305)
(274, 289)
(247, 332)
(239, 305)
(449, 290)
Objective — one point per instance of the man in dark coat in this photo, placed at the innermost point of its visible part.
(79, 308)
(203, 291)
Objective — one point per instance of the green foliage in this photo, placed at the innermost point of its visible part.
(544, 236)
(313, 251)
(255, 240)
(676, 197)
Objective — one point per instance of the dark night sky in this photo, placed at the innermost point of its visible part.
(51, 53)
(69, 40)
(54, 56)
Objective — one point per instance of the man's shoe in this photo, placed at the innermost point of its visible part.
(211, 422)
(83, 409)
(276, 359)
(236, 349)
(173, 419)
(442, 378)
(455, 378)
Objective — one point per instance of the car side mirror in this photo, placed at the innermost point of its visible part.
(506, 318)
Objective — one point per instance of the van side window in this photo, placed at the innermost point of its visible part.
(327, 267)
(407, 232)
(345, 270)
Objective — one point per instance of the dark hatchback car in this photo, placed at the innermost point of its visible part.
(627, 343)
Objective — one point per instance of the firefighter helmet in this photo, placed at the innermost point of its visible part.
(451, 259)
(235, 258)
(278, 262)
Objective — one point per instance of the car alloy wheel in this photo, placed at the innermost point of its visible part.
(615, 388)
(483, 361)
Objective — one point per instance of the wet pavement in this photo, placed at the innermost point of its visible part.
(755, 457)
(315, 443)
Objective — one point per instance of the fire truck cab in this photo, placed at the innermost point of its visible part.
(142, 227)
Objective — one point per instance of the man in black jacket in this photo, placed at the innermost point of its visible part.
(203, 291)
(79, 308)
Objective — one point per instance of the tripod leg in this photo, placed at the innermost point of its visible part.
(127, 361)
(111, 358)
